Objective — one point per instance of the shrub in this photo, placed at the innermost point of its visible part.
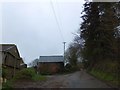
(68, 66)
(29, 74)
(26, 73)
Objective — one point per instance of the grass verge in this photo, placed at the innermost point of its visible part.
(106, 77)
(27, 74)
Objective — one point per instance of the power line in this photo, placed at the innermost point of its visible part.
(59, 16)
(57, 20)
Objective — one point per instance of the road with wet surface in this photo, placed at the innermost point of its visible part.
(79, 79)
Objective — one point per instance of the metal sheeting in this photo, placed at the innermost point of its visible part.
(51, 59)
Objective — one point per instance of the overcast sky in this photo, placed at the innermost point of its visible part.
(33, 28)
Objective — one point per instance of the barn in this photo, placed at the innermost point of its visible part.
(11, 59)
(50, 64)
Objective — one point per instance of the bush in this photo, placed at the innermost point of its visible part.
(26, 73)
(68, 66)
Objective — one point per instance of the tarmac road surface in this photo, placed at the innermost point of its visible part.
(79, 79)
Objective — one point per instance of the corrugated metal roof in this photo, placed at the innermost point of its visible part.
(51, 59)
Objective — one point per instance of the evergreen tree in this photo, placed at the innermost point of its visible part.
(98, 31)
(88, 31)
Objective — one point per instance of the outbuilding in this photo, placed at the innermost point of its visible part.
(50, 64)
(11, 59)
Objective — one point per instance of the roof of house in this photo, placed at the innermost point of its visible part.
(51, 59)
(5, 47)
(11, 48)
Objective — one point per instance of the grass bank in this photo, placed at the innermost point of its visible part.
(27, 74)
(107, 72)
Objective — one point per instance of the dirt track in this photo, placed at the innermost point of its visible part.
(79, 79)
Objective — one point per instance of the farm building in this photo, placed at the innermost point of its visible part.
(50, 64)
(11, 59)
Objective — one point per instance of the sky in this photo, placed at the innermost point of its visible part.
(33, 26)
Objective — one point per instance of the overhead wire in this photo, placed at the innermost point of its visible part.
(57, 20)
(59, 15)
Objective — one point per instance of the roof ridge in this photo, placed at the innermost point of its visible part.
(51, 55)
(8, 44)
(9, 48)
(51, 59)
(5, 47)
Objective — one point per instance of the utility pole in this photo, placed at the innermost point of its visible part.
(64, 50)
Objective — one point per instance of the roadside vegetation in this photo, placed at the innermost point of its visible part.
(97, 41)
(107, 77)
(27, 74)
(69, 69)
(107, 72)
(101, 34)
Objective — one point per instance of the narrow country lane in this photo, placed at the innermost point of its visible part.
(79, 79)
